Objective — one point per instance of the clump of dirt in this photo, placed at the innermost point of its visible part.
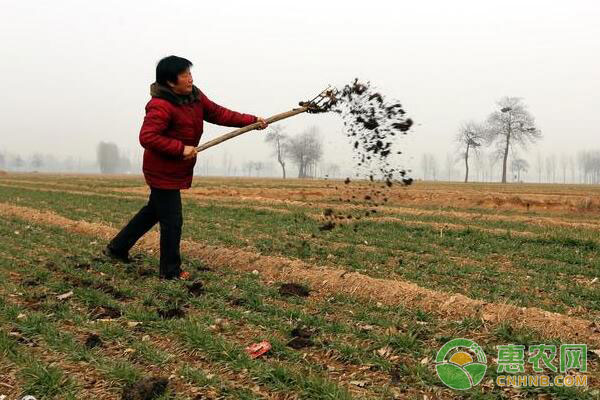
(196, 288)
(301, 337)
(238, 301)
(397, 373)
(93, 340)
(299, 343)
(293, 289)
(111, 290)
(328, 212)
(327, 226)
(31, 282)
(374, 124)
(303, 332)
(145, 389)
(106, 312)
(171, 313)
(143, 270)
(51, 266)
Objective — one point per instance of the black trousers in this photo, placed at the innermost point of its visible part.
(164, 207)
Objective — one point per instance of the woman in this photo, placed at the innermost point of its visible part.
(172, 129)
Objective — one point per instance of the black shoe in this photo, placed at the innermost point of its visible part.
(114, 256)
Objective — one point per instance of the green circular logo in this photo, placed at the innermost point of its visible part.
(456, 366)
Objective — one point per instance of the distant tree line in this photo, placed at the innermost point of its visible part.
(581, 167)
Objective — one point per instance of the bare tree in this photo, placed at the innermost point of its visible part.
(480, 163)
(107, 157)
(572, 168)
(258, 167)
(305, 150)
(492, 161)
(278, 140)
(551, 168)
(37, 161)
(332, 170)
(519, 165)
(429, 165)
(248, 166)
(539, 166)
(469, 139)
(433, 165)
(227, 163)
(564, 164)
(511, 125)
(109, 160)
(425, 165)
(589, 163)
(18, 162)
(450, 161)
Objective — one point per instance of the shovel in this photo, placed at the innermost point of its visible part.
(321, 103)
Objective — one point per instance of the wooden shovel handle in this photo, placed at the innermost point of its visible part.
(248, 128)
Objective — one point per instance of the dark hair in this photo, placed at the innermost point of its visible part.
(169, 67)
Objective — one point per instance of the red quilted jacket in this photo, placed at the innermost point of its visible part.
(173, 121)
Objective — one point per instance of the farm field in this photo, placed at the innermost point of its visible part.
(382, 278)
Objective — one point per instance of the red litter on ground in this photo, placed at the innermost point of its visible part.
(258, 349)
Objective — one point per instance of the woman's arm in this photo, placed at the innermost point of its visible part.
(216, 114)
(152, 135)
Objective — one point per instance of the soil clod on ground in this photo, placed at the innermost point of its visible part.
(106, 312)
(93, 340)
(293, 289)
(145, 389)
(196, 288)
(171, 313)
(299, 343)
(302, 332)
(238, 301)
(327, 226)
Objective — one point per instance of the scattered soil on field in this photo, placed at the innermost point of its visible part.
(330, 280)
(373, 124)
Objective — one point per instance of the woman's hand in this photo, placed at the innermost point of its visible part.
(263, 123)
(189, 152)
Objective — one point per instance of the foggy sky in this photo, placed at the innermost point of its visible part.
(74, 73)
